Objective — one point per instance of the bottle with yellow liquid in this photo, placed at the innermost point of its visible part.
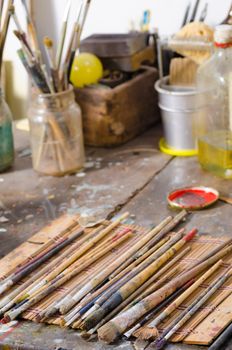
(214, 79)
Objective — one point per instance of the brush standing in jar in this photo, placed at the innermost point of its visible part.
(55, 117)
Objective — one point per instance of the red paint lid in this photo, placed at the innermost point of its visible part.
(192, 198)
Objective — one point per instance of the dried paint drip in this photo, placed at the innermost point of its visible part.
(193, 198)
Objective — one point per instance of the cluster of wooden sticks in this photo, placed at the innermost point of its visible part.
(55, 77)
(123, 297)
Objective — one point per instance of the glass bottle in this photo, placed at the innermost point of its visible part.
(6, 135)
(214, 79)
(56, 133)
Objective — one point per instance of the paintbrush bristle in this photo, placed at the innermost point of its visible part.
(16, 33)
(108, 333)
(146, 333)
(48, 42)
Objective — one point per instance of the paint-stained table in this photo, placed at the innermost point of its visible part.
(134, 177)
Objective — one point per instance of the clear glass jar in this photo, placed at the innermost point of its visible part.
(215, 126)
(6, 135)
(56, 133)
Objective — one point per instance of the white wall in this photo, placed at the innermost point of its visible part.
(116, 15)
(105, 16)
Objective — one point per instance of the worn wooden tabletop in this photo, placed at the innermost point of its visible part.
(134, 177)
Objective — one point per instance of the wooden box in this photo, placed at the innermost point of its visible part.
(114, 116)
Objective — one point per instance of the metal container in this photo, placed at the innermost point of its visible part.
(180, 109)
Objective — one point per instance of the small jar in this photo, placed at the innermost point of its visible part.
(6, 135)
(56, 133)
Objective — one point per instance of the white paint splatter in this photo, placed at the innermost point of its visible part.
(3, 219)
(82, 174)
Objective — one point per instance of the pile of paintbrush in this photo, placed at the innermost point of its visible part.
(54, 77)
(147, 254)
(4, 25)
(54, 151)
(129, 293)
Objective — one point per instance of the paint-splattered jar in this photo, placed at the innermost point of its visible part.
(6, 135)
(56, 133)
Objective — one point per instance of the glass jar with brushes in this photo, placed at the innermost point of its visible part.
(56, 133)
(6, 135)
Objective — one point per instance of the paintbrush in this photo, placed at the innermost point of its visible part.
(150, 331)
(118, 325)
(48, 44)
(79, 29)
(141, 267)
(134, 295)
(100, 301)
(20, 30)
(157, 309)
(62, 35)
(32, 31)
(203, 13)
(191, 311)
(4, 30)
(72, 299)
(89, 259)
(37, 262)
(20, 293)
(59, 281)
(77, 254)
(70, 228)
(70, 52)
(1, 11)
(194, 13)
(153, 240)
(118, 297)
(160, 273)
(186, 14)
(124, 278)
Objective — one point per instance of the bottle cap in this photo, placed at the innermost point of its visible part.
(223, 34)
(192, 198)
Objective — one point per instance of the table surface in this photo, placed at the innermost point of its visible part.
(134, 177)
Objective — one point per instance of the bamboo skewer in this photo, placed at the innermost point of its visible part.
(191, 310)
(150, 331)
(134, 283)
(118, 325)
